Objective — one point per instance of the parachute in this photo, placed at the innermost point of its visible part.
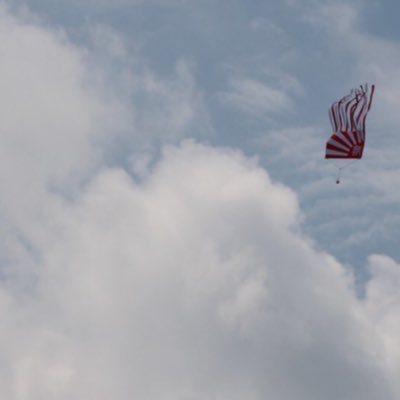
(348, 117)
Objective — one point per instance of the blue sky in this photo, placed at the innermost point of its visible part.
(169, 226)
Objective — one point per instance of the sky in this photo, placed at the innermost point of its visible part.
(169, 227)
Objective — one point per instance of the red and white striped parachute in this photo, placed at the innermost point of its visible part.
(348, 116)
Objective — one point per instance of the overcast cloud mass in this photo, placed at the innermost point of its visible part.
(169, 227)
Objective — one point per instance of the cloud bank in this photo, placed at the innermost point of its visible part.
(194, 283)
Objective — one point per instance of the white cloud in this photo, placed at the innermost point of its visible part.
(258, 99)
(169, 110)
(155, 109)
(191, 284)
(338, 17)
(49, 114)
(63, 108)
(383, 302)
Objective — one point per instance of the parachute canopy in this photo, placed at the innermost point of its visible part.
(348, 116)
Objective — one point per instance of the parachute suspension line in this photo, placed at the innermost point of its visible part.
(338, 175)
(339, 169)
